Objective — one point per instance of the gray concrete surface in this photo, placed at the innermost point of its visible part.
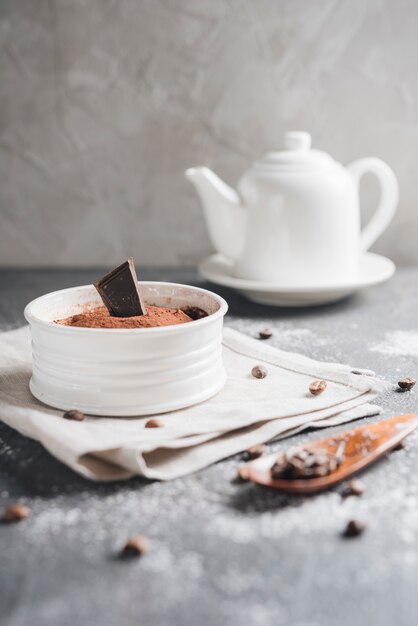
(105, 102)
(222, 552)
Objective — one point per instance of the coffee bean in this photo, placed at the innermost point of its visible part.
(76, 416)
(317, 386)
(15, 513)
(256, 451)
(265, 333)
(406, 384)
(259, 371)
(194, 312)
(354, 528)
(154, 423)
(304, 463)
(353, 488)
(135, 546)
(242, 472)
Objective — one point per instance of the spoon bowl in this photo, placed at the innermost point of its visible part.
(361, 446)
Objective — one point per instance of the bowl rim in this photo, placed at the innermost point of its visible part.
(31, 318)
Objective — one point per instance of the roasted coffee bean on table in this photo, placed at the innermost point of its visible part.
(354, 528)
(242, 473)
(137, 545)
(256, 451)
(76, 416)
(154, 423)
(15, 513)
(354, 487)
(265, 333)
(259, 371)
(317, 386)
(406, 384)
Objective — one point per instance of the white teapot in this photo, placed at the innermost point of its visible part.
(295, 219)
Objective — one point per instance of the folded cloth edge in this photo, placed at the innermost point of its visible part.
(104, 464)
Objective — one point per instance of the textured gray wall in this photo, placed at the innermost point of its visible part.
(104, 103)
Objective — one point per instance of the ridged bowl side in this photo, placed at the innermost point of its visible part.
(118, 372)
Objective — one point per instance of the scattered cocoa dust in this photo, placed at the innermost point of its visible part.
(101, 318)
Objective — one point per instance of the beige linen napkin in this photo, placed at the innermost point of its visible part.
(246, 412)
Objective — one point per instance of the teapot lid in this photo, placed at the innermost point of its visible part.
(297, 155)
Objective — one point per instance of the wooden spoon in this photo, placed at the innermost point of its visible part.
(361, 446)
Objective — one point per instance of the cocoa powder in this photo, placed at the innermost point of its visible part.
(100, 318)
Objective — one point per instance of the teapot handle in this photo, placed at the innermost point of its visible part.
(389, 195)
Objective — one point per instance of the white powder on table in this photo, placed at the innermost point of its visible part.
(400, 342)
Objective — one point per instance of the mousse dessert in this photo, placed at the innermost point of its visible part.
(124, 307)
(101, 318)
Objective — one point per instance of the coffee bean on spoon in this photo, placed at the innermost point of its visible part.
(15, 513)
(265, 333)
(406, 384)
(76, 416)
(304, 463)
(259, 371)
(317, 386)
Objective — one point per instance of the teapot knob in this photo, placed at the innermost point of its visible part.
(297, 140)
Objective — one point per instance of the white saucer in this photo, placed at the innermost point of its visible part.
(374, 269)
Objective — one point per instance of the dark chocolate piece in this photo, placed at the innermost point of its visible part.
(119, 291)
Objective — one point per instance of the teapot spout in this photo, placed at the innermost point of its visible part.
(224, 213)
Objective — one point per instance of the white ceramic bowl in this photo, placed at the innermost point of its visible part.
(116, 372)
